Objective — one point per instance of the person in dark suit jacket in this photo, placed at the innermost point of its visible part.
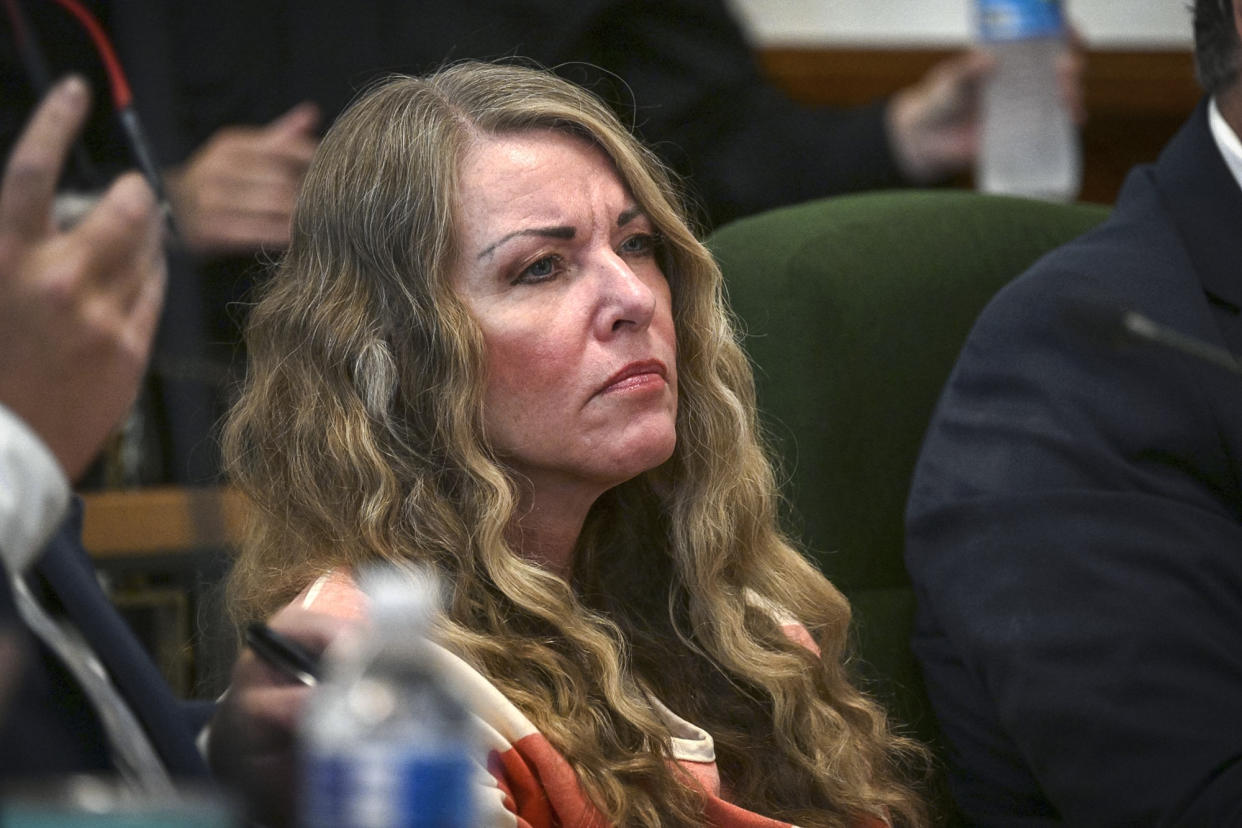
(78, 308)
(1075, 518)
(681, 71)
(53, 729)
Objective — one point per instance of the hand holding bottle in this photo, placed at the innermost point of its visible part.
(934, 125)
(1028, 141)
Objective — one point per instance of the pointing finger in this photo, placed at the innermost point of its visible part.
(300, 121)
(35, 164)
(291, 137)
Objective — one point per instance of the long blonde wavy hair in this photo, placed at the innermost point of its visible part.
(359, 436)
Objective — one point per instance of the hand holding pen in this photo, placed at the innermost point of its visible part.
(283, 653)
(253, 733)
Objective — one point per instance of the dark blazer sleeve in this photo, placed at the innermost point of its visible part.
(1075, 541)
(47, 726)
(697, 93)
(681, 71)
(50, 727)
(746, 146)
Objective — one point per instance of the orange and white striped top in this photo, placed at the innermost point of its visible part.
(523, 781)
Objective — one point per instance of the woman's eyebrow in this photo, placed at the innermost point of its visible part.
(561, 232)
(629, 215)
(548, 232)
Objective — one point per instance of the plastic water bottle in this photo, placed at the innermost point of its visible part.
(1028, 143)
(383, 741)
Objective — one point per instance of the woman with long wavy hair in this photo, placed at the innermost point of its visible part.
(495, 348)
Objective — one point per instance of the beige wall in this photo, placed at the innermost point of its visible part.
(1106, 24)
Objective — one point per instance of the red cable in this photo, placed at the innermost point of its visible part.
(19, 30)
(121, 94)
(123, 99)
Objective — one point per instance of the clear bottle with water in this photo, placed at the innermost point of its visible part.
(1029, 143)
(383, 741)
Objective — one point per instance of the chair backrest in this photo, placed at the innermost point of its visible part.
(854, 309)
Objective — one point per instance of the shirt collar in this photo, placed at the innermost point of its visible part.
(1226, 141)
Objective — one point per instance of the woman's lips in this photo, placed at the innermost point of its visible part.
(651, 372)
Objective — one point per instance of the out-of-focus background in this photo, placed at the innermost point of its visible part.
(1139, 81)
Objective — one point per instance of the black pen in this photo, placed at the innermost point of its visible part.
(283, 653)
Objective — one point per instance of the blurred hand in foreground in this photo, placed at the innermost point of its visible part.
(78, 308)
(253, 735)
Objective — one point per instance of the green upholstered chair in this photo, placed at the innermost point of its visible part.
(853, 310)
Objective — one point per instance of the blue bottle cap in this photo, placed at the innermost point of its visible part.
(1003, 20)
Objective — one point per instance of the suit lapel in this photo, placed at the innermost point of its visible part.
(1206, 205)
(70, 577)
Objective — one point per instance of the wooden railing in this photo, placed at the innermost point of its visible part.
(163, 520)
(163, 553)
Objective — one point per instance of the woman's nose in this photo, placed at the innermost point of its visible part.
(626, 300)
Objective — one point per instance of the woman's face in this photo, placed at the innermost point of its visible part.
(557, 265)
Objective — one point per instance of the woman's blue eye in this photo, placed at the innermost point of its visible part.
(640, 243)
(539, 270)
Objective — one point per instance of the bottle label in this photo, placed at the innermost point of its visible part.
(388, 785)
(1001, 20)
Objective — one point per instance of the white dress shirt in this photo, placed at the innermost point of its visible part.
(1227, 140)
(34, 493)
